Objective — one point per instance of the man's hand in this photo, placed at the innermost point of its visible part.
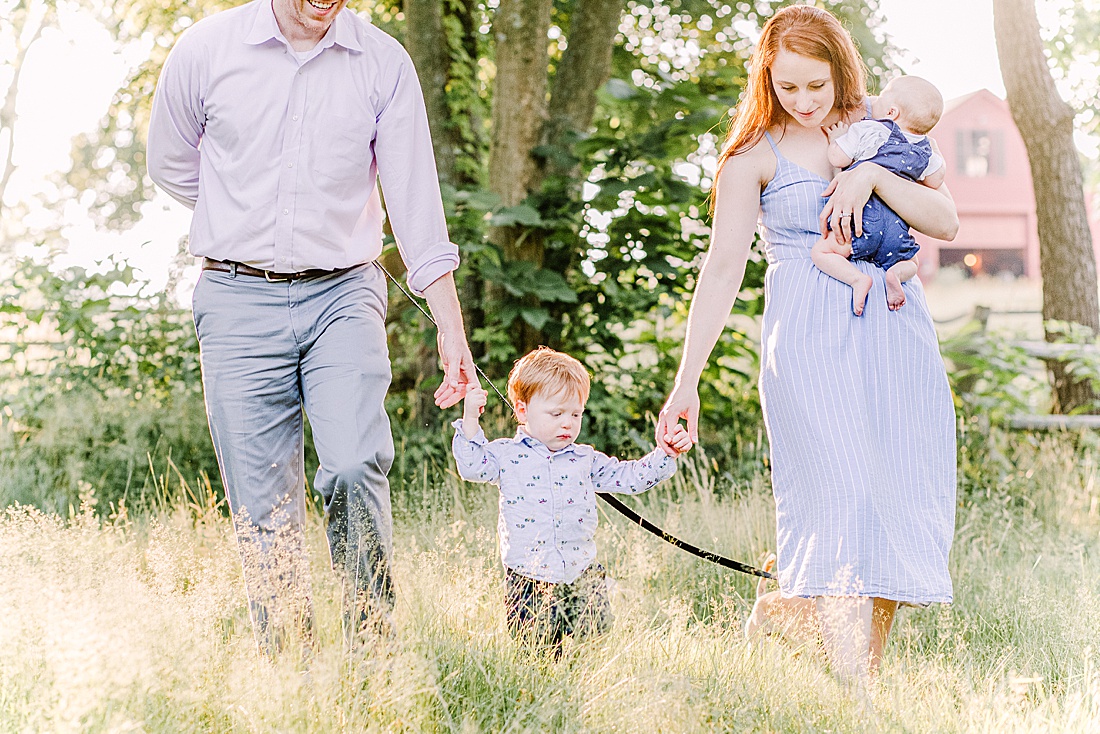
(458, 369)
(454, 353)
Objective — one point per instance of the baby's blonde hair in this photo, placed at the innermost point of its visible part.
(547, 372)
(921, 104)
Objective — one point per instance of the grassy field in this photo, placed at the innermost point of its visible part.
(139, 624)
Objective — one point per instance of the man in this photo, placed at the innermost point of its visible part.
(272, 121)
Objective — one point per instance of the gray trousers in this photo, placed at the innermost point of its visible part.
(268, 350)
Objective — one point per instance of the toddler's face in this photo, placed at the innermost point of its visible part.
(553, 419)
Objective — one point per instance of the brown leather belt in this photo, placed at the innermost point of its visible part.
(234, 268)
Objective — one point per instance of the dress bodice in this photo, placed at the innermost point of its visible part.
(789, 207)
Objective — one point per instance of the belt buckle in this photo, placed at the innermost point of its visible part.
(269, 279)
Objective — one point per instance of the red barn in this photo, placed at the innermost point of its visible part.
(990, 179)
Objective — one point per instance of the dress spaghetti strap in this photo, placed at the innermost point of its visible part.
(771, 142)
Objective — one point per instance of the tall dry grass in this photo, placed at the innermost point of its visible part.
(140, 624)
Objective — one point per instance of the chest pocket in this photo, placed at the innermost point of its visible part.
(342, 150)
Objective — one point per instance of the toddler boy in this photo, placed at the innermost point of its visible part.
(548, 485)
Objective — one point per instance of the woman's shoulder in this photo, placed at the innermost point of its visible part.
(755, 162)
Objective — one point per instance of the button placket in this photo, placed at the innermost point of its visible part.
(283, 255)
(556, 507)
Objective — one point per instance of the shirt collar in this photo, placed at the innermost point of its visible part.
(265, 28)
(525, 438)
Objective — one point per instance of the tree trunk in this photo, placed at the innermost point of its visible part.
(519, 109)
(522, 119)
(585, 67)
(519, 99)
(427, 45)
(1045, 121)
(434, 55)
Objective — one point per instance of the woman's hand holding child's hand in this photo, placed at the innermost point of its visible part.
(679, 442)
(473, 406)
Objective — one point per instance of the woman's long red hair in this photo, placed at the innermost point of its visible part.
(806, 31)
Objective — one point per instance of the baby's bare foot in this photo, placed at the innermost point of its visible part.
(895, 294)
(860, 289)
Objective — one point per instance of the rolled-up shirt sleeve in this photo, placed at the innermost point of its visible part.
(476, 462)
(176, 125)
(410, 184)
(631, 477)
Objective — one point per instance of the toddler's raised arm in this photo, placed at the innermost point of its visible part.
(476, 463)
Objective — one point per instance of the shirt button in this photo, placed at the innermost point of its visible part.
(282, 259)
(290, 165)
(295, 118)
(286, 211)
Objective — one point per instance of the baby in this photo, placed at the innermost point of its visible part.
(897, 140)
(548, 485)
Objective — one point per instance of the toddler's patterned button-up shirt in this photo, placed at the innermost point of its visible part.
(547, 522)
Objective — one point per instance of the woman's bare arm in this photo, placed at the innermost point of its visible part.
(737, 207)
(929, 211)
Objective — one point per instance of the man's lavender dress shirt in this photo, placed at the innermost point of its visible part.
(547, 522)
(279, 155)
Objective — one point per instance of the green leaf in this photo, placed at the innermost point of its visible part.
(536, 317)
(481, 200)
(521, 214)
(550, 286)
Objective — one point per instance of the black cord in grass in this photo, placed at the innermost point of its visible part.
(612, 501)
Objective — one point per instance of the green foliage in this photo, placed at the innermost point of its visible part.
(102, 389)
(1075, 61)
(994, 375)
(991, 375)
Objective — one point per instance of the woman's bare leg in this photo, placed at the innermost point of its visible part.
(882, 620)
(846, 634)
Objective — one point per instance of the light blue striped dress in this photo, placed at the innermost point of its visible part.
(859, 419)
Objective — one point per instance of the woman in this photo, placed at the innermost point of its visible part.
(858, 410)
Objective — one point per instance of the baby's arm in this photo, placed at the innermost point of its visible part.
(610, 475)
(935, 179)
(476, 461)
(837, 157)
(937, 165)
